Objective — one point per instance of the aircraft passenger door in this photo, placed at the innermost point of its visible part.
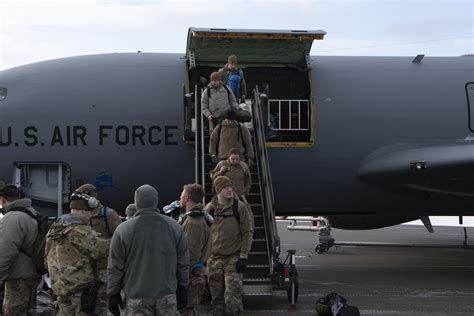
(47, 184)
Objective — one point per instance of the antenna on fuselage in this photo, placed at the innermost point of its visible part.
(418, 59)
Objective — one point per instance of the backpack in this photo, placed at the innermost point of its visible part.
(324, 306)
(235, 212)
(104, 214)
(234, 81)
(219, 128)
(40, 241)
(208, 91)
(242, 115)
(348, 310)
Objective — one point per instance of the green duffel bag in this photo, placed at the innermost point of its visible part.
(243, 116)
(323, 307)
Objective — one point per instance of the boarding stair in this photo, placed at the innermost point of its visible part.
(257, 279)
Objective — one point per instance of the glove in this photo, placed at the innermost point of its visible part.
(242, 99)
(241, 265)
(198, 265)
(114, 302)
(181, 297)
(214, 158)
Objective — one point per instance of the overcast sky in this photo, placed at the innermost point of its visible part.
(33, 30)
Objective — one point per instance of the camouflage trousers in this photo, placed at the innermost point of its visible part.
(225, 285)
(71, 306)
(197, 283)
(20, 296)
(163, 306)
(102, 291)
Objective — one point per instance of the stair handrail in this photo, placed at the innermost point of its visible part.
(266, 180)
(197, 133)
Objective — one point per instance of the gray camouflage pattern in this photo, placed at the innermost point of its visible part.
(163, 306)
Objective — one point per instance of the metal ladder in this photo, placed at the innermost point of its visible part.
(265, 246)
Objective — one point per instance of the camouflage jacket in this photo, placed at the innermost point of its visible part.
(72, 252)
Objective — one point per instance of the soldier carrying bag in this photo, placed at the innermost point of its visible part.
(37, 255)
(243, 116)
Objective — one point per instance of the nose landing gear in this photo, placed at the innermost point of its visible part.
(324, 236)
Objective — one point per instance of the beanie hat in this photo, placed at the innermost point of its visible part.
(216, 76)
(131, 210)
(232, 59)
(78, 203)
(88, 189)
(146, 196)
(220, 183)
(231, 115)
(9, 190)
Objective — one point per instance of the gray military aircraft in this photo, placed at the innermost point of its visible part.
(366, 141)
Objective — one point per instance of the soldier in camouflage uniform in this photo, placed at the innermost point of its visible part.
(196, 226)
(74, 253)
(104, 221)
(18, 232)
(231, 235)
(237, 171)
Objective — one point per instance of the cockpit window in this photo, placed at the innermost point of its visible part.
(470, 104)
(3, 93)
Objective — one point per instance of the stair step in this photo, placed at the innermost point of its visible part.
(256, 280)
(257, 290)
(258, 266)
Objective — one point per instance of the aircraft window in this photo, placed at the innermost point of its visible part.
(470, 104)
(3, 93)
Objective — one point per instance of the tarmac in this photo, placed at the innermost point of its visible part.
(380, 280)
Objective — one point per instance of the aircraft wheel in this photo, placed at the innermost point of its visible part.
(319, 249)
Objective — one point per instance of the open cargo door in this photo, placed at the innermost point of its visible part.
(211, 47)
(275, 61)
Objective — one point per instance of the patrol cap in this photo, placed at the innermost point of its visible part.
(9, 190)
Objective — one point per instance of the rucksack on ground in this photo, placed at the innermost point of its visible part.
(326, 305)
(39, 243)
